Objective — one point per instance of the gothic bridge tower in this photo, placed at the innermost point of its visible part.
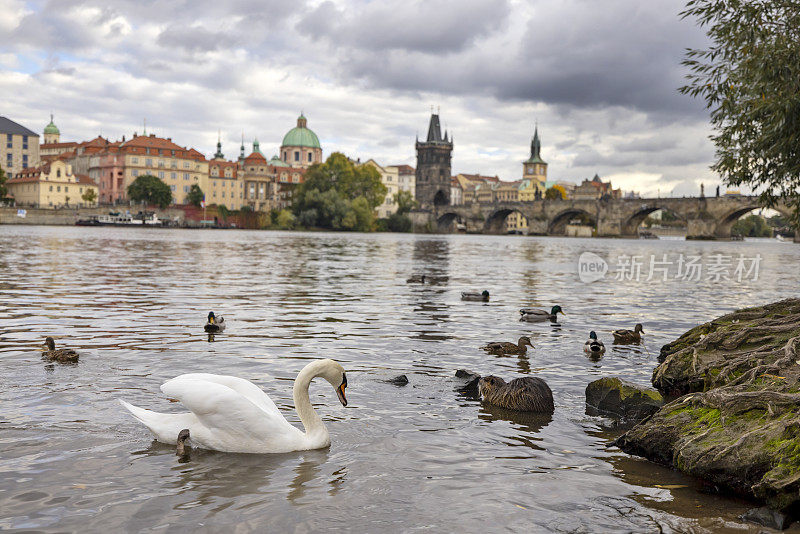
(433, 167)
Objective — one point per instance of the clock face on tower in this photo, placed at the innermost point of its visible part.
(530, 169)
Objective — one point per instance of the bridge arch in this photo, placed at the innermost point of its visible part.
(496, 221)
(631, 224)
(558, 224)
(446, 223)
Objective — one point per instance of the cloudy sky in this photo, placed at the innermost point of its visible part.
(600, 78)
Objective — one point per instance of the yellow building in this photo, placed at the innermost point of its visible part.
(176, 166)
(19, 147)
(51, 186)
(224, 185)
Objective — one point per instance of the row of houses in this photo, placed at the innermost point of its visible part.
(41, 175)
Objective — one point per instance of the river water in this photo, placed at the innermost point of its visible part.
(403, 459)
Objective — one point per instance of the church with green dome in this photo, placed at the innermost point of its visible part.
(300, 146)
(51, 133)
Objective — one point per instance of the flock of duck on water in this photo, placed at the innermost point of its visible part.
(231, 414)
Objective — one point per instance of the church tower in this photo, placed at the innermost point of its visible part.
(535, 168)
(51, 133)
(433, 167)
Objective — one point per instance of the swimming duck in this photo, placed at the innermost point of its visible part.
(506, 347)
(231, 414)
(475, 296)
(527, 394)
(60, 355)
(532, 315)
(629, 336)
(416, 279)
(181, 451)
(593, 346)
(215, 324)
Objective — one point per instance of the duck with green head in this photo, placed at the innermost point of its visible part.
(215, 325)
(533, 315)
(594, 346)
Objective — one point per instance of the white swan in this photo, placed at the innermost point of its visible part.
(232, 414)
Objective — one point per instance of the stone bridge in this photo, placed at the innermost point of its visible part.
(705, 217)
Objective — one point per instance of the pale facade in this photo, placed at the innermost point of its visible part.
(52, 185)
(390, 177)
(224, 186)
(406, 178)
(19, 147)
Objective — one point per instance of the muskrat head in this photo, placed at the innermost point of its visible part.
(638, 328)
(49, 343)
(490, 383)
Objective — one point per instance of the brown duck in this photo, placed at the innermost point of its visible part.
(58, 355)
(526, 394)
(629, 336)
(506, 347)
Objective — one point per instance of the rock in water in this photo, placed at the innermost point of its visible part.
(768, 518)
(400, 380)
(737, 424)
(620, 399)
(468, 381)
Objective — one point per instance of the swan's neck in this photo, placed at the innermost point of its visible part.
(315, 428)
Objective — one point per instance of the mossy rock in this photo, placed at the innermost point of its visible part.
(618, 398)
(738, 423)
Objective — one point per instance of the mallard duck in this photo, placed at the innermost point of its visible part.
(215, 324)
(231, 414)
(593, 346)
(532, 315)
(182, 451)
(629, 336)
(506, 347)
(474, 295)
(60, 355)
(416, 279)
(527, 394)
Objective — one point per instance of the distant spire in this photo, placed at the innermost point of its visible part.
(434, 130)
(255, 145)
(536, 145)
(241, 149)
(219, 154)
(144, 129)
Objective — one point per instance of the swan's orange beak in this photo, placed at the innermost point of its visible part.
(340, 391)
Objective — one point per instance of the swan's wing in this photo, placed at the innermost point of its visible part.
(243, 387)
(233, 422)
(164, 426)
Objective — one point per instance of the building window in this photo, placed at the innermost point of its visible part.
(58, 173)
(185, 188)
(161, 174)
(135, 172)
(296, 155)
(223, 194)
(66, 189)
(24, 161)
(174, 188)
(9, 140)
(173, 175)
(8, 160)
(148, 162)
(58, 189)
(24, 142)
(186, 176)
(309, 157)
(51, 188)
(185, 164)
(135, 160)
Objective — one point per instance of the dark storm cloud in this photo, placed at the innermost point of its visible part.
(577, 53)
(432, 26)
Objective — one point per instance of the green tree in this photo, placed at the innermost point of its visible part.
(749, 78)
(150, 190)
(555, 192)
(405, 202)
(89, 196)
(3, 188)
(339, 195)
(752, 226)
(195, 195)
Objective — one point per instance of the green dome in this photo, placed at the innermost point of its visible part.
(301, 135)
(51, 128)
(277, 162)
